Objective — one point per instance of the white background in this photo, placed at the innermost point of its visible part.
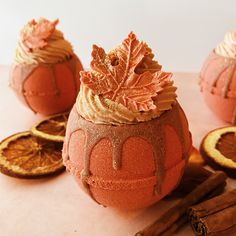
(180, 32)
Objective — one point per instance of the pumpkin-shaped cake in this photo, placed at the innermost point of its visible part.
(45, 71)
(127, 139)
(218, 79)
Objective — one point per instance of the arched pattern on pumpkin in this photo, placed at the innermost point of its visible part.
(21, 73)
(218, 77)
(151, 131)
(212, 71)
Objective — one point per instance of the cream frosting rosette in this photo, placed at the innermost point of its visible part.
(227, 48)
(125, 86)
(41, 43)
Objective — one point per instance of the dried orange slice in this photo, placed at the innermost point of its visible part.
(196, 158)
(26, 156)
(53, 128)
(219, 149)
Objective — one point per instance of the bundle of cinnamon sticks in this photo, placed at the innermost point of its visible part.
(176, 217)
(216, 216)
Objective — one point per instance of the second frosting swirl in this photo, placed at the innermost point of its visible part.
(41, 43)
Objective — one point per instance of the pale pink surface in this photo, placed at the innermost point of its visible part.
(56, 206)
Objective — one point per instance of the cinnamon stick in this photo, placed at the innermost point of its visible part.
(176, 226)
(174, 214)
(193, 176)
(215, 216)
(184, 219)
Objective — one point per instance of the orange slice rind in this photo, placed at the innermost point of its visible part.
(23, 155)
(219, 149)
(53, 128)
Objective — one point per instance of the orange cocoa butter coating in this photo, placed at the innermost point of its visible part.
(128, 166)
(218, 86)
(47, 88)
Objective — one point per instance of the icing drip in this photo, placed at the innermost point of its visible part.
(118, 135)
(17, 82)
(228, 81)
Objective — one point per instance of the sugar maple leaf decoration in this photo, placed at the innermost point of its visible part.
(127, 75)
(35, 34)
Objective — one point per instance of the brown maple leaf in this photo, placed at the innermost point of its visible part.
(127, 75)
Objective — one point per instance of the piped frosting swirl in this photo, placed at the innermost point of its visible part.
(41, 43)
(125, 86)
(227, 48)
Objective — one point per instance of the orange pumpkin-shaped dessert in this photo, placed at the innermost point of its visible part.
(127, 140)
(45, 72)
(218, 79)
